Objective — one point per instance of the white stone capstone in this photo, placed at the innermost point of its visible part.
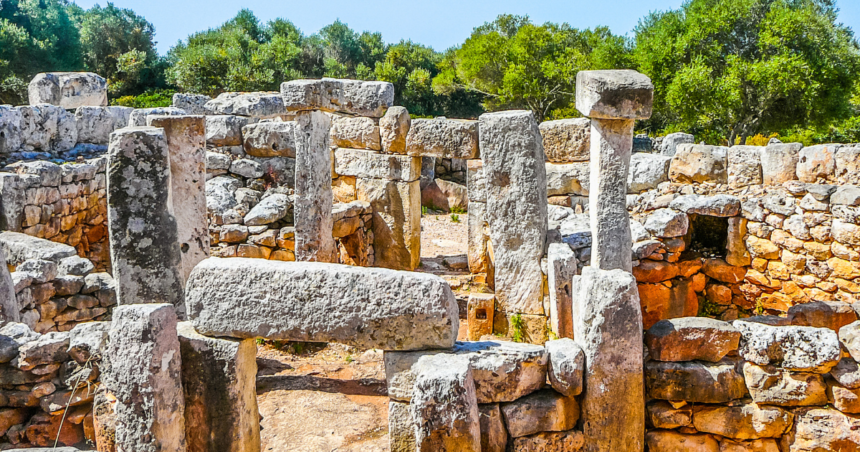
(338, 95)
(614, 94)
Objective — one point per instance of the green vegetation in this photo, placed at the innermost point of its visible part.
(455, 218)
(149, 99)
(517, 328)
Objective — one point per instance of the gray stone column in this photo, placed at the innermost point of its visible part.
(144, 373)
(144, 248)
(314, 196)
(186, 142)
(613, 100)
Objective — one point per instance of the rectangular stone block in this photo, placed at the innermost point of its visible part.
(480, 317)
(444, 138)
(568, 179)
(260, 105)
(68, 90)
(20, 247)
(614, 94)
(144, 245)
(10, 129)
(562, 266)
(396, 221)
(225, 130)
(566, 140)
(356, 132)
(95, 124)
(512, 152)
(270, 139)
(186, 143)
(137, 118)
(371, 164)
(145, 376)
(401, 429)
(219, 380)
(478, 238)
(317, 302)
(313, 198)
(354, 97)
(13, 192)
(476, 183)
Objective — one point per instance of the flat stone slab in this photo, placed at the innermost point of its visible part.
(319, 302)
(797, 348)
(256, 105)
(691, 338)
(614, 94)
(371, 164)
(19, 247)
(543, 411)
(445, 138)
(695, 381)
(337, 95)
(772, 385)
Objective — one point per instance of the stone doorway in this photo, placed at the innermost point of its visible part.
(708, 235)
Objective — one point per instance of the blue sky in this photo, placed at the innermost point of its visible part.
(437, 23)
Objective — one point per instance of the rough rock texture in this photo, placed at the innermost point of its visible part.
(9, 310)
(715, 206)
(144, 374)
(849, 336)
(748, 421)
(672, 441)
(393, 128)
(401, 429)
(822, 314)
(695, 163)
(570, 441)
(186, 144)
(144, 244)
(444, 408)
(219, 381)
(779, 163)
(270, 139)
(225, 130)
(10, 129)
(336, 95)
(314, 196)
(260, 105)
(663, 415)
(444, 138)
(95, 124)
(370, 164)
(68, 90)
(512, 152)
(372, 308)
(647, 171)
(695, 381)
(566, 366)
(744, 166)
(776, 386)
(562, 265)
(607, 325)
(396, 221)
(795, 348)
(847, 373)
(822, 429)
(193, 104)
(691, 338)
(137, 118)
(269, 210)
(355, 132)
(494, 434)
(543, 411)
(478, 237)
(567, 179)
(566, 140)
(614, 94)
(19, 247)
(670, 143)
(667, 223)
(816, 163)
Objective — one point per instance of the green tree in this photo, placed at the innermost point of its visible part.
(735, 68)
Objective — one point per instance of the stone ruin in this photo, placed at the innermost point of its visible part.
(598, 250)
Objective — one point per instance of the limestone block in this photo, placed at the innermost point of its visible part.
(225, 130)
(844, 399)
(696, 163)
(796, 348)
(715, 206)
(46, 349)
(846, 195)
(672, 441)
(193, 104)
(608, 326)
(476, 183)
(744, 166)
(338, 95)
(663, 415)
(570, 441)
(480, 316)
(779, 163)
(13, 191)
(401, 429)
(144, 247)
(567, 179)
(393, 128)
(543, 411)
(512, 152)
(10, 129)
(219, 380)
(848, 165)
(695, 381)
(756, 445)
(477, 237)
(68, 90)
(566, 140)
(444, 195)
(747, 421)
(19, 247)
(737, 254)
(776, 386)
(247, 168)
(667, 223)
(47, 128)
(566, 366)
(87, 340)
(137, 118)
(820, 429)
(270, 139)
(847, 373)
(220, 194)
(396, 221)
(269, 210)
(444, 408)
(822, 314)
(355, 132)
(247, 298)
(443, 138)
(691, 338)
(670, 143)
(144, 373)
(8, 303)
(647, 171)
(494, 435)
(370, 164)
(260, 105)
(314, 196)
(614, 94)
(95, 124)
(817, 163)
(562, 265)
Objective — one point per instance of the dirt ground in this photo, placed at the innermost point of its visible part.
(331, 397)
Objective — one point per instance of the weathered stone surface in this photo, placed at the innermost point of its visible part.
(663, 415)
(186, 145)
(444, 408)
(744, 166)
(779, 163)
(566, 366)
(401, 429)
(695, 381)
(444, 195)
(144, 244)
(748, 421)
(847, 373)
(608, 326)
(8, 303)
(848, 165)
(269, 210)
(822, 429)
(396, 221)
(567, 179)
(355, 132)
(566, 140)
(225, 130)
(776, 386)
(193, 104)
(219, 381)
(47, 128)
(10, 126)
(614, 94)
(512, 152)
(68, 90)
(562, 265)
(444, 138)
(843, 399)
(691, 338)
(822, 314)
(370, 164)
(87, 339)
(715, 206)
(494, 434)
(667, 223)
(393, 129)
(816, 163)
(670, 143)
(647, 171)
(478, 237)
(794, 348)
(337, 95)
(476, 182)
(314, 196)
(247, 168)
(47, 349)
(270, 139)
(260, 105)
(570, 441)
(672, 441)
(95, 124)
(144, 374)
(543, 411)
(846, 195)
(756, 445)
(137, 118)
(696, 163)
(373, 308)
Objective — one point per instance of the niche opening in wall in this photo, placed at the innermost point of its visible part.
(709, 235)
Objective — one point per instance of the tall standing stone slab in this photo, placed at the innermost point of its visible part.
(186, 142)
(219, 379)
(512, 152)
(396, 221)
(8, 302)
(144, 248)
(314, 196)
(144, 372)
(608, 326)
(562, 267)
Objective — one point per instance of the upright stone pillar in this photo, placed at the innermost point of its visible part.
(144, 373)
(314, 241)
(219, 379)
(186, 142)
(8, 302)
(613, 100)
(144, 248)
(515, 173)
